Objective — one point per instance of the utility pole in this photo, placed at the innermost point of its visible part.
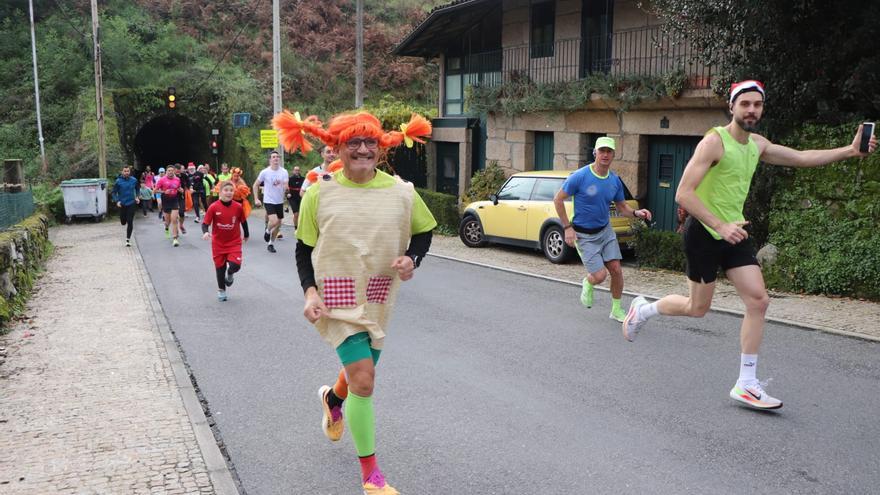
(276, 65)
(44, 169)
(359, 57)
(99, 94)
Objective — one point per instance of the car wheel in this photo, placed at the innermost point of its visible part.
(554, 246)
(471, 232)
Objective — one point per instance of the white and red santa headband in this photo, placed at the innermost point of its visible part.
(741, 87)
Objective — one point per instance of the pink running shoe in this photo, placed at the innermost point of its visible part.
(376, 485)
(332, 423)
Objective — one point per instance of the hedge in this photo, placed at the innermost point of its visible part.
(443, 206)
(824, 221)
(659, 249)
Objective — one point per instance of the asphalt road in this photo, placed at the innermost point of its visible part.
(496, 383)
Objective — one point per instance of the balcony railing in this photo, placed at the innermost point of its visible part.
(637, 52)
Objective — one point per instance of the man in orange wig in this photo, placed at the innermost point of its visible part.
(349, 298)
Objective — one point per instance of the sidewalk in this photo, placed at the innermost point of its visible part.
(94, 398)
(834, 315)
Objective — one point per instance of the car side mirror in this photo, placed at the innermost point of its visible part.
(494, 199)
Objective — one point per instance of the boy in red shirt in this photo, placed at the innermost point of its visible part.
(226, 240)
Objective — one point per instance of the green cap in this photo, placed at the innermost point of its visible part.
(605, 142)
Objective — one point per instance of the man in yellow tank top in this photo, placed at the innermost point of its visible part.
(713, 189)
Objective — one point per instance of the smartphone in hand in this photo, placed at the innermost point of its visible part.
(867, 132)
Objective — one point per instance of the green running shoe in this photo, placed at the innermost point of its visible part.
(167, 233)
(587, 294)
(618, 314)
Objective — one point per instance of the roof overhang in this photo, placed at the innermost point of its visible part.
(444, 26)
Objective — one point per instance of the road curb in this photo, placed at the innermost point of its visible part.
(734, 312)
(215, 463)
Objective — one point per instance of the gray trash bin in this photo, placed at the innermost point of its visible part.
(85, 198)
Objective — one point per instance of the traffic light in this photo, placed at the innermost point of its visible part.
(171, 98)
(214, 145)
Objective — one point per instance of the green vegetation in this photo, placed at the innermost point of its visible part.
(444, 207)
(811, 56)
(50, 201)
(659, 249)
(525, 96)
(484, 183)
(23, 249)
(824, 221)
(217, 56)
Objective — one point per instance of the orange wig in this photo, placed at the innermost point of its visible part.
(292, 130)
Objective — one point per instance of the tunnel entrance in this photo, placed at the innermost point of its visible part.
(169, 139)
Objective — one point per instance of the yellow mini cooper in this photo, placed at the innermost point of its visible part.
(522, 214)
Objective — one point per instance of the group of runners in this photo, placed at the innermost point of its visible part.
(179, 189)
(350, 264)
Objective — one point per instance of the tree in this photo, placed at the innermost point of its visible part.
(815, 57)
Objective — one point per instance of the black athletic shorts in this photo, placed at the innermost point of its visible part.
(273, 209)
(169, 203)
(294, 200)
(705, 254)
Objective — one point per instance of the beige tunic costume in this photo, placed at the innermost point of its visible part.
(361, 232)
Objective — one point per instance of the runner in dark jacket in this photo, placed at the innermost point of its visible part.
(125, 193)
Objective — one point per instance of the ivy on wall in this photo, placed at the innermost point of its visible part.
(522, 95)
(824, 220)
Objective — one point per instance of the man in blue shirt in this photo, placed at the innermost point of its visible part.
(594, 188)
(125, 193)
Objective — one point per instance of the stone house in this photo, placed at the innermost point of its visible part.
(492, 42)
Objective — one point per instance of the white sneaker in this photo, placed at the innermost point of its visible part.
(632, 322)
(754, 396)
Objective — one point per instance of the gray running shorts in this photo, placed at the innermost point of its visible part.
(597, 249)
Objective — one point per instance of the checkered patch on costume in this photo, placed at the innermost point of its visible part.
(339, 292)
(378, 288)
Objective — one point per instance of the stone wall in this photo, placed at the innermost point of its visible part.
(23, 249)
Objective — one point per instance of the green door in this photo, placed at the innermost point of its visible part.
(667, 158)
(543, 151)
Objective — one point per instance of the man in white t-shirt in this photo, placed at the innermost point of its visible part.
(328, 154)
(274, 180)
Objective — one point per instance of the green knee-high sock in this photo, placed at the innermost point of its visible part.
(361, 423)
